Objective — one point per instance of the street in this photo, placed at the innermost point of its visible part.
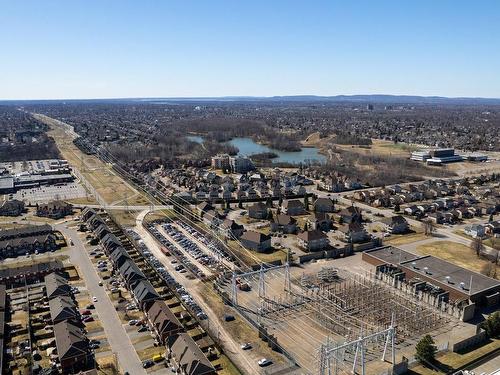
(117, 337)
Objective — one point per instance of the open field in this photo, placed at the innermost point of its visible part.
(100, 175)
(455, 253)
(381, 147)
(124, 218)
(396, 240)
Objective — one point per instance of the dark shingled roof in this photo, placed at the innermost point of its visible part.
(62, 308)
(32, 230)
(56, 285)
(256, 237)
(312, 235)
(162, 318)
(188, 355)
(46, 267)
(70, 340)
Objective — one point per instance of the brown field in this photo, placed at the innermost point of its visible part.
(455, 253)
(100, 175)
(452, 360)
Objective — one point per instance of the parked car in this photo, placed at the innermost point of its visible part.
(264, 362)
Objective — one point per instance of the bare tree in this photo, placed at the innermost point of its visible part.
(489, 269)
(428, 227)
(477, 245)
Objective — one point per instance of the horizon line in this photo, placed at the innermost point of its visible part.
(256, 97)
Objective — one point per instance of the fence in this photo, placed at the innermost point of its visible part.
(470, 342)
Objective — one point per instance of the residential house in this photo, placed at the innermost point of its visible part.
(15, 247)
(56, 285)
(163, 321)
(320, 221)
(396, 224)
(144, 294)
(72, 348)
(350, 215)
(12, 207)
(436, 217)
(187, 356)
(293, 207)
(354, 232)
(323, 205)
(131, 273)
(258, 211)
(475, 230)
(54, 210)
(231, 229)
(313, 240)
(492, 228)
(256, 241)
(63, 308)
(284, 224)
(101, 231)
(110, 242)
(119, 256)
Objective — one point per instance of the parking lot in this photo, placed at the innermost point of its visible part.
(46, 193)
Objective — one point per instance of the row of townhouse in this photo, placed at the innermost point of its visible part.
(73, 349)
(188, 358)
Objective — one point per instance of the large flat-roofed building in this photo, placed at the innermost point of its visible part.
(420, 155)
(436, 156)
(460, 283)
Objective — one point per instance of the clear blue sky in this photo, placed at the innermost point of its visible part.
(120, 48)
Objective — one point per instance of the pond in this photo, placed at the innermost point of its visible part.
(248, 146)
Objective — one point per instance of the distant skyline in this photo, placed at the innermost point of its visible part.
(133, 49)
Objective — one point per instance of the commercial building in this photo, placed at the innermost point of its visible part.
(436, 156)
(454, 283)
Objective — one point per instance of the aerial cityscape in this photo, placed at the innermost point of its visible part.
(250, 188)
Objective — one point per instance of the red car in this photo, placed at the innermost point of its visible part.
(88, 319)
(86, 312)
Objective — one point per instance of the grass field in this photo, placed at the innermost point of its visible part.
(403, 239)
(381, 147)
(455, 253)
(100, 175)
(452, 360)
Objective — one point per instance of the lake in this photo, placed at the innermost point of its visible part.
(248, 147)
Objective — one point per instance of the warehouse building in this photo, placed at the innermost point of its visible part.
(435, 275)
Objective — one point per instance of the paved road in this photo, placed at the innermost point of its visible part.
(441, 233)
(488, 367)
(117, 336)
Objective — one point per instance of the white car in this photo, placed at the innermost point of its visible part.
(94, 299)
(246, 346)
(264, 362)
